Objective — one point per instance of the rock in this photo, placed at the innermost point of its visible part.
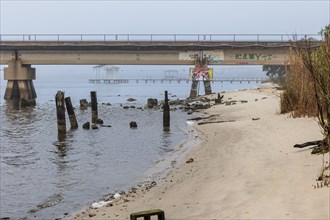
(152, 103)
(86, 125)
(108, 103)
(126, 107)
(99, 121)
(117, 196)
(190, 160)
(91, 215)
(131, 100)
(132, 106)
(100, 204)
(255, 119)
(94, 127)
(244, 101)
(133, 124)
(83, 104)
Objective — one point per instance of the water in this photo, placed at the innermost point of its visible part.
(42, 178)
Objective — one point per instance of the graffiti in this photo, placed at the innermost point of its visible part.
(216, 56)
(253, 56)
(201, 75)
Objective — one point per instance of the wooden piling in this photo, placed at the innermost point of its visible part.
(94, 107)
(60, 112)
(166, 114)
(72, 116)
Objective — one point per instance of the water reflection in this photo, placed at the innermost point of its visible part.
(37, 162)
(166, 141)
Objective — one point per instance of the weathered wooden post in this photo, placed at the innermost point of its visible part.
(94, 107)
(166, 114)
(60, 112)
(72, 116)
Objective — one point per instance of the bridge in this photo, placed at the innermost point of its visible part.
(19, 52)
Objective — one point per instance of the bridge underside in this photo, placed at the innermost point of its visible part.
(19, 56)
(94, 57)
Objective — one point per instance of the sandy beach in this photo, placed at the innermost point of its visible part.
(243, 168)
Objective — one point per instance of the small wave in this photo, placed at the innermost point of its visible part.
(49, 202)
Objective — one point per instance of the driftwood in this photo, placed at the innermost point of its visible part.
(310, 143)
(320, 146)
(213, 122)
(201, 118)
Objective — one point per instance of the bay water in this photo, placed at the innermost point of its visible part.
(43, 178)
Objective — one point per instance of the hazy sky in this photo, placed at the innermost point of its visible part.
(156, 16)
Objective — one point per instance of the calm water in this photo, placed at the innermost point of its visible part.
(36, 169)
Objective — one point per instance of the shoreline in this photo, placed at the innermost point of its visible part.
(243, 169)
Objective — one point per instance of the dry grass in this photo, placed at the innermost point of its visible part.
(298, 96)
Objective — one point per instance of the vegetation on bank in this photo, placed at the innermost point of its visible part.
(307, 84)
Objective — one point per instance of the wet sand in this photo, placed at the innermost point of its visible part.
(242, 169)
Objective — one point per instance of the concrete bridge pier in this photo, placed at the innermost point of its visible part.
(20, 86)
(201, 70)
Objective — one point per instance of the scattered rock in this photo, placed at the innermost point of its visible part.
(86, 125)
(190, 160)
(91, 215)
(131, 100)
(83, 104)
(152, 103)
(99, 121)
(133, 124)
(177, 102)
(100, 204)
(117, 196)
(94, 127)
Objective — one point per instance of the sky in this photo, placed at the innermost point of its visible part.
(163, 17)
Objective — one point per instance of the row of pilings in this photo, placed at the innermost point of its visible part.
(63, 103)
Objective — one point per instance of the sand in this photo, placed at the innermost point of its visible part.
(244, 169)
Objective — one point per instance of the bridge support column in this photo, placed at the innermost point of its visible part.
(207, 87)
(20, 86)
(201, 72)
(194, 88)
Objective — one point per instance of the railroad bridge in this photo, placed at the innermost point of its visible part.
(20, 52)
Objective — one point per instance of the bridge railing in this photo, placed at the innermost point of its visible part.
(156, 37)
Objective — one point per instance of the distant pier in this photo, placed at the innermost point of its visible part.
(126, 81)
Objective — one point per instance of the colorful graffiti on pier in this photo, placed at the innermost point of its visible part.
(197, 74)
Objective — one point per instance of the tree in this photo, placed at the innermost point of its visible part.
(276, 72)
